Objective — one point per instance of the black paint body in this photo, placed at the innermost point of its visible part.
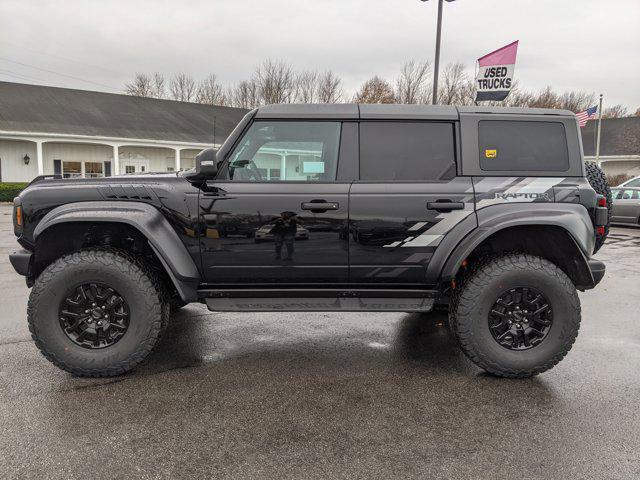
(389, 236)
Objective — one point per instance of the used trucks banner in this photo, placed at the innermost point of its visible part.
(495, 73)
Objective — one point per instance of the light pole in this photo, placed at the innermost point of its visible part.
(436, 64)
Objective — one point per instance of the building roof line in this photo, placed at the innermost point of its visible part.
(113, 141)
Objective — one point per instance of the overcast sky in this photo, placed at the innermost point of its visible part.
(591, 45)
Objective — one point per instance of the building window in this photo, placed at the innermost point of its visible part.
(72, 169)
(170, 169)
(93, 170)
(129, 169)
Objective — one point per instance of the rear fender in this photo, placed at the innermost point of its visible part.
(572, 218)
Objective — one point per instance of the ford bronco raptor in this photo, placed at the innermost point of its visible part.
(488, 212)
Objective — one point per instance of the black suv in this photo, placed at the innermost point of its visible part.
(488, 212)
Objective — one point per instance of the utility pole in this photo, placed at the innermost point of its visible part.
(598, 135)
(436, 64)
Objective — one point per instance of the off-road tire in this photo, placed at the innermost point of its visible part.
(598, 182)
(481, 287)
(137, 284)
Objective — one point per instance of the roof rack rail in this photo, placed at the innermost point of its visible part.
(43, 177)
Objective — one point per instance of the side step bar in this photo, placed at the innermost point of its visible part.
(318, 300)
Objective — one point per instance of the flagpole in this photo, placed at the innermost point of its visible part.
(598, 137)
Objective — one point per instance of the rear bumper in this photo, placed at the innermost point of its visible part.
(597, 270)
(21, 261)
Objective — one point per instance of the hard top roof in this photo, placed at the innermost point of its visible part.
(354, 111)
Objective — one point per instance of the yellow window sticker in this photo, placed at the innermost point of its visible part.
(490, 153)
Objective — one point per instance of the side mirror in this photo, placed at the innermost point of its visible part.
(206, 163)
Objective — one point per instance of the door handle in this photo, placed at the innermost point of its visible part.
(445, 206)
(320, 206)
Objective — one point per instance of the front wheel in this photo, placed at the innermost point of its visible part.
(516, 315)
(96, 313)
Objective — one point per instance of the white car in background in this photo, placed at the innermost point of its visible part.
(631, 183)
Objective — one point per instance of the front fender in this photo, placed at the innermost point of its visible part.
(149, 222)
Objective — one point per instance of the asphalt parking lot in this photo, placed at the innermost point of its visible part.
(327, 396)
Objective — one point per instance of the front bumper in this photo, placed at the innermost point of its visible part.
(21, 261)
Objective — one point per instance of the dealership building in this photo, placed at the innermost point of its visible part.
(78, 133)
(619, 145)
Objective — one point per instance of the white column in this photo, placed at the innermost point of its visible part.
(82, 172)
(39, 158)
(283, 166)
(115, 166)
(177, 167)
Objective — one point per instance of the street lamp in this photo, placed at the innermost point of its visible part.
(437, 62)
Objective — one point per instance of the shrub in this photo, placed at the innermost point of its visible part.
(615, 180)
(10, 190)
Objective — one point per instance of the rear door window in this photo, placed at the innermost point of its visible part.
(406, 151)
(507, 145)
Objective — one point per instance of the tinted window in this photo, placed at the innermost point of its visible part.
(286, 151)
(409, 151)
(522, 146)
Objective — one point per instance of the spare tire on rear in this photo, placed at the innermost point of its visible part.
(598, 182)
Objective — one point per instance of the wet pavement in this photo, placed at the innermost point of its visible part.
(327, 396)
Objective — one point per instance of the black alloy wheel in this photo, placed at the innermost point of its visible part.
(94, 315)
(520, 319)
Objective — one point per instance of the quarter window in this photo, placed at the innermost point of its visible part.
(522, 146)
(286, 151)
(406, 151)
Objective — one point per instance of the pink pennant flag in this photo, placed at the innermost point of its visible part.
(502, 56)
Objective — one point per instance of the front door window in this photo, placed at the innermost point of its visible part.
(286, 151)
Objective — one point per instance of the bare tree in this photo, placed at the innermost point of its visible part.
(140, 86)
(306, 88)
(329, 88)
(210, 91)
(182, 87)
(454, 80)
(412, 83)
(375, 90)
(616, 111)
(518, 97)
(245, 95)
(576, 101)
(275, 81)
(545, 98)
(158, 86)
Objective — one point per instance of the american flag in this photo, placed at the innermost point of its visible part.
(588, 114)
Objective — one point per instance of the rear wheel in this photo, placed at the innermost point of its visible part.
(598, 182)
(516, 315)
(96, 313)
